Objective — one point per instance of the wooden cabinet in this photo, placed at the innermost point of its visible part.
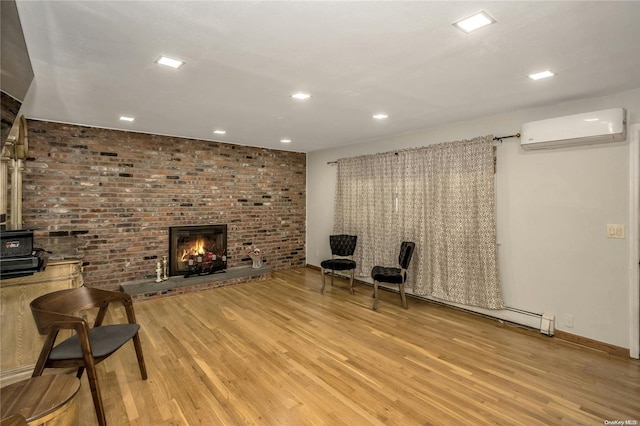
(20, 342)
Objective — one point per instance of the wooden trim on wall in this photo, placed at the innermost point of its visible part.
(634, 242)
(592, 344)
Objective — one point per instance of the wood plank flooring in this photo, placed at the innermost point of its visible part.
(278, 352)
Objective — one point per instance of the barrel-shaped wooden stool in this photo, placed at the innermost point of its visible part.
(43, 400)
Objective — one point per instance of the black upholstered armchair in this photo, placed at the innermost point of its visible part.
(342, 248)
(390, 275)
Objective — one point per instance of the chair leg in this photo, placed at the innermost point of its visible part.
(39, 368)
(332, 278)
(375, 295)
(351, 282)
(95, 394)
(138, 346)
(44, 354)
(79, 372)
(403, 296)
(323, 273)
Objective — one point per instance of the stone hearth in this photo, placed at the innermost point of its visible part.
(149, 289)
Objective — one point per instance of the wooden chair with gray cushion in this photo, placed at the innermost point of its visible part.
(342, 249)
(88, 346)
(391, 275)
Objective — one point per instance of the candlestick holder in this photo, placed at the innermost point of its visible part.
(165, 268)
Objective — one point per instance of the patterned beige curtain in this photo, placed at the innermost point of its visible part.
(442, 198)
(365, 206)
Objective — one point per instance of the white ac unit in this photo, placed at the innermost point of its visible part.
(580, 129)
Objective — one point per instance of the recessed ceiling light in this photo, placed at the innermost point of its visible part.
(539, 75)
(125, 118)
(173, 63)
(285, 140)
(220, 132)
(472, 23)
(380, 116)
(301, 96)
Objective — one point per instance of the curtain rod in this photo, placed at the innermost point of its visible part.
(496, 138)
(499, 138)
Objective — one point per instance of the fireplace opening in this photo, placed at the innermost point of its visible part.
(197, 250)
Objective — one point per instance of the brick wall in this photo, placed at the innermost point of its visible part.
(121, 191)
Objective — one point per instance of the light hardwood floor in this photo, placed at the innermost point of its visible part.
(278, 352)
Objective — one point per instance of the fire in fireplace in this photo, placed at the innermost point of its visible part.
(197, 250)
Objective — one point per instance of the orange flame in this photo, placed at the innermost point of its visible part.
(196, 249)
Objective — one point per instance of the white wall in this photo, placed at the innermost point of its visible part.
(552, 211)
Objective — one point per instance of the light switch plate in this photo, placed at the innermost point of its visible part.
(615, 231)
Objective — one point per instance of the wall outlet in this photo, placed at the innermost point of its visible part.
(568, 320)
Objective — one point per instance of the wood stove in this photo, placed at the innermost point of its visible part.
(197, 250)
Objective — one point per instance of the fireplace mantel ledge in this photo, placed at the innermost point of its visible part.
(149, 288)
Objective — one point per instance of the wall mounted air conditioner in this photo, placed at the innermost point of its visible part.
(580, 129)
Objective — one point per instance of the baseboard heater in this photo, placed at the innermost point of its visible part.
(545, 321)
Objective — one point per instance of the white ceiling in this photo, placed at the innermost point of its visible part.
(94, 61)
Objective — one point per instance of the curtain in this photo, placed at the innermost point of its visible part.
(442, 198)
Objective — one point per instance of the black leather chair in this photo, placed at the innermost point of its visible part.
(389, 275)
(342, 248)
